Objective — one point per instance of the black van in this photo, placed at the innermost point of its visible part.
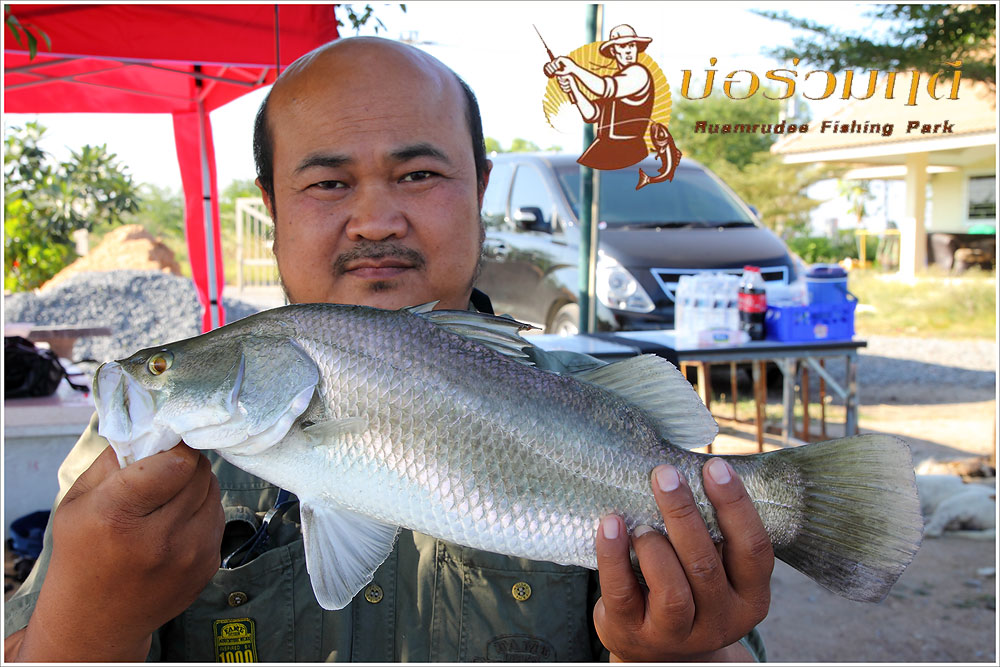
(648, 239)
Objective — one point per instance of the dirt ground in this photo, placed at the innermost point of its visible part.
(943, 608)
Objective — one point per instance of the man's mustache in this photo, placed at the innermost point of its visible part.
(377, 250)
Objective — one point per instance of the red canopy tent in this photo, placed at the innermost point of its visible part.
(185, 60)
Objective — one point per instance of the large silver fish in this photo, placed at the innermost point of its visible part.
(437, 421)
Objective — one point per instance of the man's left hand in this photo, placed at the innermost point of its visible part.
(702, 598)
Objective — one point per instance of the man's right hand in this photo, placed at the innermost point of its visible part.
(131, 549)
(561, 65)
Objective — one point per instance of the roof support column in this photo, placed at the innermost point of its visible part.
(913, 232)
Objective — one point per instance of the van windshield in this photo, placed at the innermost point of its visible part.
(692, 198)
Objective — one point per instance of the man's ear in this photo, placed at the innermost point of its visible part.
(268, 204)
(486, 182)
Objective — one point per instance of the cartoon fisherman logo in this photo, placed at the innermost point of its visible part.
(620, 89)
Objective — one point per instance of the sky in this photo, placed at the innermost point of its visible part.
(491, 45)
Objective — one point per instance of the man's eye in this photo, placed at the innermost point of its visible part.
(414, 176)
(329, 185)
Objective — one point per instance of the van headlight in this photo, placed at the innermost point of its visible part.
(618, 289)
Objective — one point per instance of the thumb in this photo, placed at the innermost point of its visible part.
(151, 482)
(105, 464)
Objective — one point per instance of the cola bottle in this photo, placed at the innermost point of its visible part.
(752, 303)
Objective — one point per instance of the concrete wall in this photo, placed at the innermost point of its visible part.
(950, 199)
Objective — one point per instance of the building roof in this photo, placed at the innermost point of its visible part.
(972, 117)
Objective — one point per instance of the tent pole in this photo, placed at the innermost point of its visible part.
(206, 197)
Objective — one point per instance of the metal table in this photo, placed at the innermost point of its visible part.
(787, 357)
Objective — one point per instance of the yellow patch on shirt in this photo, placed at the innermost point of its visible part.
(235, 640)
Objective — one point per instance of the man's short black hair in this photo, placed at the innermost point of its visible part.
(263, 141)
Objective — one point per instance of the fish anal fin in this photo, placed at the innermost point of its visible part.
(663, 393)
(343, 550)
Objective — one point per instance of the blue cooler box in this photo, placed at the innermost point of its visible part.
(827, 283)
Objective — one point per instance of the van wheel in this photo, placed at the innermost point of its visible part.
(566, 321)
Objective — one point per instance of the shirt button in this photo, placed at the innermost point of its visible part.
(237, 598)
(374, 593)
(521, 591)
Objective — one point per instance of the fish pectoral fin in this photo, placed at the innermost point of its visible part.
(334, 429)
(657, 387)
(498, 333)
(343, 550)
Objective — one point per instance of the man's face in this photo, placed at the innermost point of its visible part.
(625, 54)
(375, 194)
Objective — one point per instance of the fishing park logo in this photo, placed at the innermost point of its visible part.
(618, 88)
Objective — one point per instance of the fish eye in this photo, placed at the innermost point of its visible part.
(160, 362)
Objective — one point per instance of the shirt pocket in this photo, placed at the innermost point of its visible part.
(259, 611)
(500, 609)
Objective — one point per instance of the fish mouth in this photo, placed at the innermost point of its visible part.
(125, 411)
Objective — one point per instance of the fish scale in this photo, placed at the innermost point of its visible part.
(437, 422)
(518, 475)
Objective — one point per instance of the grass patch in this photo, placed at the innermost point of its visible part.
(935, 305)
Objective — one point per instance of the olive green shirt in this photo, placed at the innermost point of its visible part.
(431, 600)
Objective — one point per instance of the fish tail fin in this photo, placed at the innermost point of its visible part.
(860, 521)
(643, 179)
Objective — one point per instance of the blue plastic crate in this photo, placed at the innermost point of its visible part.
(817, 321)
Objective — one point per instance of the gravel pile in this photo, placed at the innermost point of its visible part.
(143, 308)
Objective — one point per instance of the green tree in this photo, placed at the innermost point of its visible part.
(857, 194)
(30, 32)
(359, 17)
(517, 145)
(744, 161)
(738, 148)
(777, 190)
(45, 202)
(493, 146)
(905, 36)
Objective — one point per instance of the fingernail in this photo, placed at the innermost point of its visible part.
(641, 530)
(610, 527)
(720, 471)
(667, 478)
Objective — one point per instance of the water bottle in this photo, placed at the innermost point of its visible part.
(682, 304)
(732, 302)
(752, 303)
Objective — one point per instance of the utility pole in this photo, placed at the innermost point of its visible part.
(590, 198)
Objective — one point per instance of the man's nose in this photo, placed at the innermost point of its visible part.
(376, 216)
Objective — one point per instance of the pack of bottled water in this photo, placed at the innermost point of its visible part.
(706, 310)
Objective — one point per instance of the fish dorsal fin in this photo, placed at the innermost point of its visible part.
(658, 388)
(343, 550)
(498, 333)
(422, 308)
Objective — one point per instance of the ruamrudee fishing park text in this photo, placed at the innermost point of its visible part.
(827, 126)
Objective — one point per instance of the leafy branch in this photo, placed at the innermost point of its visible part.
(359, 19)
(912, 36)
(18, 29)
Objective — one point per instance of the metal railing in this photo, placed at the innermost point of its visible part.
(255, 265)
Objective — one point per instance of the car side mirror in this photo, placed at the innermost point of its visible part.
(528, 217)
(753, 209)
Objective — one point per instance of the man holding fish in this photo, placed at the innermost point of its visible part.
(366, 164)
